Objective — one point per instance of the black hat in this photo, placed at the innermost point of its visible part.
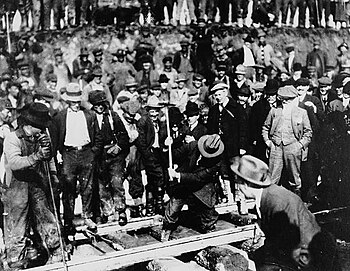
(163, 78)
(248, 39)
(198, 77)
(271, 87)
(297, 67)
(97, 97)
(222, 67)
(97, 52)
(36, 115)
(42, 93)
(146, 59)
(23, 64)
(346, 89)
(167, 59)
(192, 109)
(37, 48)
(175, 116)
(142, 89)
(302, 82)
(244, 91)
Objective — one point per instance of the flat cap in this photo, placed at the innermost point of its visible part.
(324, 81)
(218, 85)
(258, 86)
(287, 92)
(302, 82)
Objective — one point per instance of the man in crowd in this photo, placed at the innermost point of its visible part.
(287, 134)
(294, 240)
(317, 58)
(78, 139)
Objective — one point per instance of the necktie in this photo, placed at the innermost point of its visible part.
(106, 129)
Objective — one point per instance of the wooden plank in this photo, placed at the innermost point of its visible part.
(115, 260)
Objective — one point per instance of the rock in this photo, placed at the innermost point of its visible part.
(172, 264)
(221, 259)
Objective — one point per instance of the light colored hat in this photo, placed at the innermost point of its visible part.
(73, 93)
(210, 146)
(252, 170)
(240, 69)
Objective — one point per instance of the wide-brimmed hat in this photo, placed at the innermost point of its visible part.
(210, 146)
(271, 87)
(97, 97)
(130, 82)
(153, 102)
(240, 69)
(163, 78)
(36, 115)
(181, 78)
(192, 109)
(73, 93)
(252, 170)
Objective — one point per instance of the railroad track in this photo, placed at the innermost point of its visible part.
(115, 246)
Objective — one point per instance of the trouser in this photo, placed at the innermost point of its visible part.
(36, 6)
(302, 9)
(85, 4)
(290, 157)
(201, 8)
(315, 18)
(72, 17)
(191, 9)
(207, 215)
(26, 206)
(282, 5)
(77, 166)
(58, 12)
(326, 5)
(110, 179)
(133, 173)
(158, 9)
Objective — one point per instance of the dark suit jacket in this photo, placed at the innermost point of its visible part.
(177, 60)
(145, 139)
(59, 131)
(198, 131)
(230, 127)
(238, 57)
(275, 200)
(258, 115)
(311, 61)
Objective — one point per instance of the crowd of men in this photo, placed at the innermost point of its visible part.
(87, 130)
(72, 13)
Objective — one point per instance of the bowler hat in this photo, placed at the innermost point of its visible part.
(302, 82)
(248, 39)
(167, 59)
(287, 92)
(271, 87)
(73, 93)
(36, 115)
(218, 85)
(197, 77)
(84, 51)
(210, 146)
(163, 78)
(222, 67)
(97, 97)
(192, 109)
(251, 170)
(324, 81)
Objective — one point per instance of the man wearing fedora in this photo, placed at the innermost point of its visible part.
(263, 51)
(77, 138)
(95, 84)
(259, 112)
(128, 91)
(318, 58)
(82, 66)
(195, 129)
(148, 145)
(201, 89)
(294, 240)
(245, 57)
(147, 75)
(195, 183)
(287, 133)
(179, 95)
(27, 197)
(185, 59)
(110, 164)
(240, 81)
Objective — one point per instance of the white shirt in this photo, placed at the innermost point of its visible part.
(258, 202)
(156, 136)
(77, 134)
(248, 57)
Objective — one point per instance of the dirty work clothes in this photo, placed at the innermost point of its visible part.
(26, 196)
(77, 166)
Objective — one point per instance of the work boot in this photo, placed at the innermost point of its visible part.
(91, 225)
(159, 208)
(150, 204)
